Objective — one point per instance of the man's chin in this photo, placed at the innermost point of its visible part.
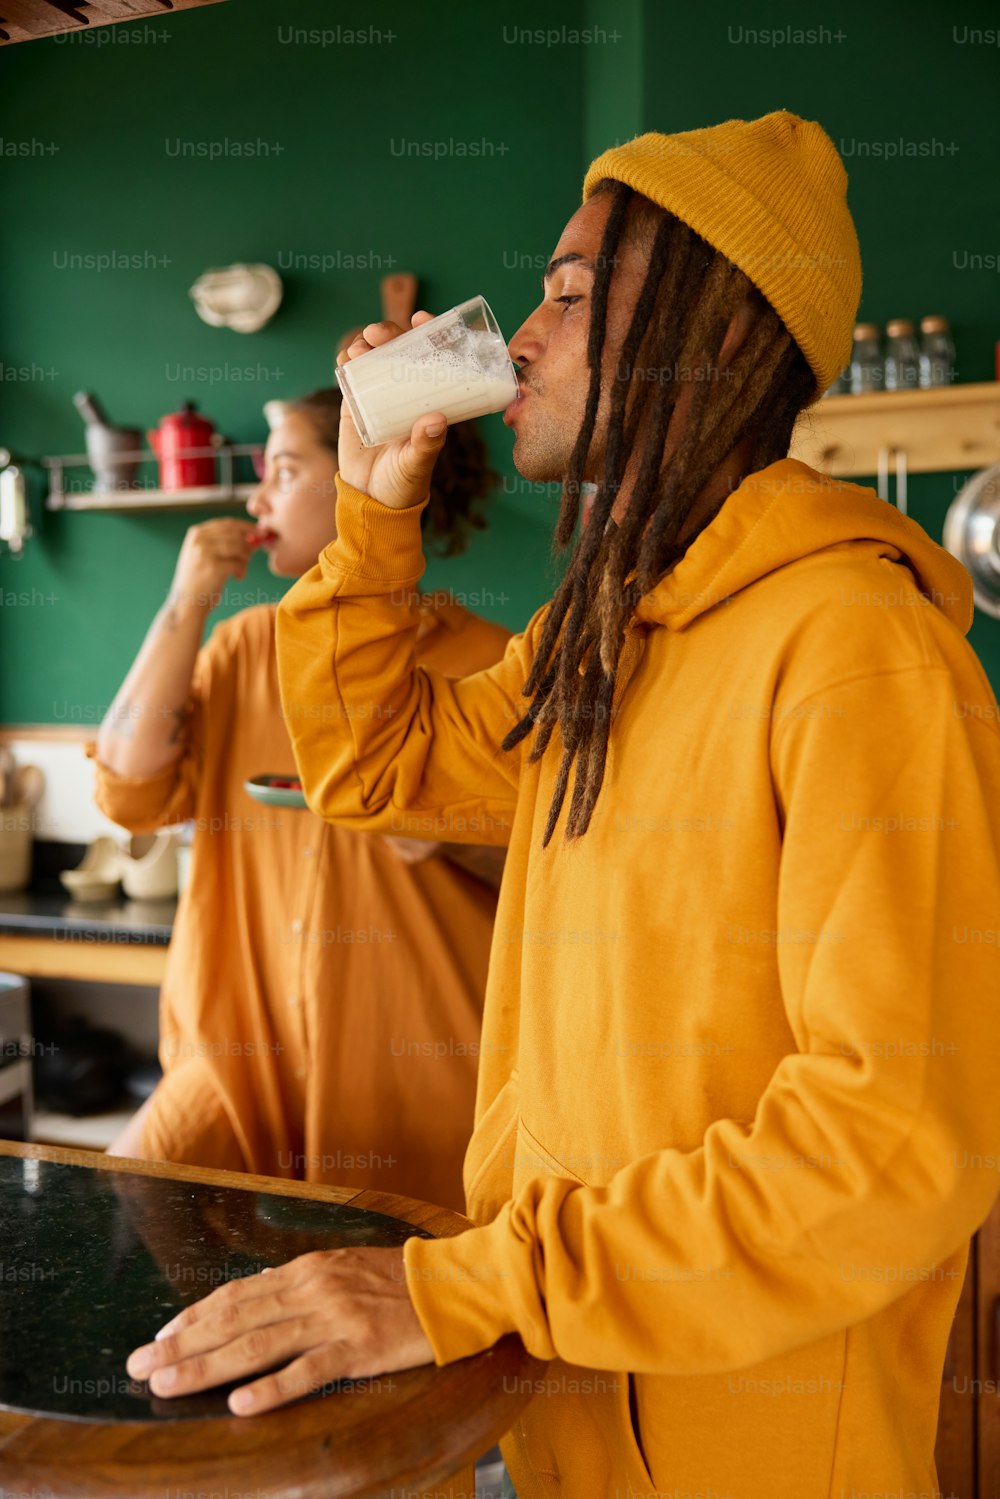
(540, 467)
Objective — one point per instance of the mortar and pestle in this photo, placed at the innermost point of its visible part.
(108, 445)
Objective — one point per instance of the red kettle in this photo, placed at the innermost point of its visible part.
(179, 437)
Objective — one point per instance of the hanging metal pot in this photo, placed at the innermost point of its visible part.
(972, 534)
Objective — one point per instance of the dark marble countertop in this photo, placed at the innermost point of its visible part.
(51, 913)
(93, 1262)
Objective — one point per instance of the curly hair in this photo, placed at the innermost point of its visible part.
(460, 487)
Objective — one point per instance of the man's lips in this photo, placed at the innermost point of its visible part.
(514, 407)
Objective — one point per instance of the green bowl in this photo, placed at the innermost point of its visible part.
(261, 788)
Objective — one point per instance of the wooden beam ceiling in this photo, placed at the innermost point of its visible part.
(25, 20)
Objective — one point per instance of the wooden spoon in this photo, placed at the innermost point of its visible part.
(399, 297)
(8, 765)
(399, 302)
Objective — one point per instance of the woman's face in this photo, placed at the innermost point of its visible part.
(297, 497)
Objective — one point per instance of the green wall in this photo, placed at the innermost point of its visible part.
(896, 74)
(331, 115)
(327, 119)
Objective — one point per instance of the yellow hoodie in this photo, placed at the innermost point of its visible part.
(737, 1112)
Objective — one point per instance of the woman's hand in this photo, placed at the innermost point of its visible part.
(481, 859)
(211, 554)
(485, 862)
(335, 1314)
(412, 850)
(396, 473)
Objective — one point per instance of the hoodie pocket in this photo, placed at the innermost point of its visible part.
(487, 1169)
(639, 1479)
(532, 1159)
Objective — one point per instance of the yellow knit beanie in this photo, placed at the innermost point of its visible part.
(771, 195)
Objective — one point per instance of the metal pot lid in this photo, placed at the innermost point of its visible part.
(972, 534)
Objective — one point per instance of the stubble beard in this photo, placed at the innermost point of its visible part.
(542, 457)
(544, 444)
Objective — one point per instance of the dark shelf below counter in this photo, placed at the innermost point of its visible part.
(36, 913)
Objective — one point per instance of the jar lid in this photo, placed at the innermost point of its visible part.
(865, 330)
(934, 325)
(900, 327)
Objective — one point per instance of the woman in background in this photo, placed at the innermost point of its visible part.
(321, 1008)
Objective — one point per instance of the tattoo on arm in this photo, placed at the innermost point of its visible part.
(181, 715)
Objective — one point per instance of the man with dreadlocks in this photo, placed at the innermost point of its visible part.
(737, 1108)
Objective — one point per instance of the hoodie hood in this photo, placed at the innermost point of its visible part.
(786, 512)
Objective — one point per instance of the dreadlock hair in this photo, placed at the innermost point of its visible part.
(680, 319)
(462, 479)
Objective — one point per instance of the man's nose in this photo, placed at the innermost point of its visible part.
(526, 345)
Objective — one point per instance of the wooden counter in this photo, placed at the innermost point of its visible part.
(46, 935)
(98, 1295)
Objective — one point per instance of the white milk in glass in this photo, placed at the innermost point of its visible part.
(445, 365)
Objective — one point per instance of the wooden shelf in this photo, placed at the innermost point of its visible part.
(53, 733)
(954, 427)
(100, 962)
(23, 20)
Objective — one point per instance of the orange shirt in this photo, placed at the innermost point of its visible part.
(321, 1008)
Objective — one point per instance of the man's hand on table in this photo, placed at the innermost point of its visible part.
(334, 1314)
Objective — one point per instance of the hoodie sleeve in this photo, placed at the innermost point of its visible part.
(873, 1153)
(382, 744)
